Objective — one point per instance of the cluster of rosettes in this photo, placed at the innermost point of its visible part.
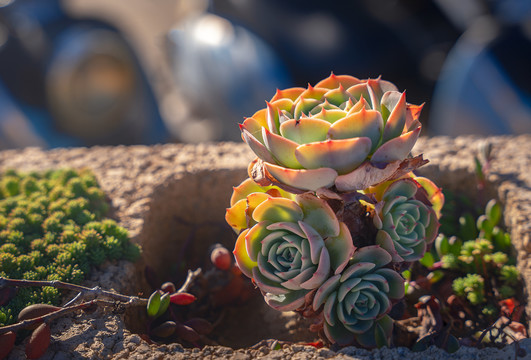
(341, 141)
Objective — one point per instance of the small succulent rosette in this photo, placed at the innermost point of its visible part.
(355, 303)
(406, 216)
(245, 198)
(291, 247)
(343, 132)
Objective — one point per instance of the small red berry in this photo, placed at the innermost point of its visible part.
(221, 258)
(168, 287)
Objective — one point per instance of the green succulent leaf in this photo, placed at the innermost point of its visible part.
(493, 212)
(153, 305)
(427, 260)
(164, 304)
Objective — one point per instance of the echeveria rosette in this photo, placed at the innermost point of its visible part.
(428, 192)
(343, 132)
(406, 221)
(294, 247)
(356, 301)
(245, 198)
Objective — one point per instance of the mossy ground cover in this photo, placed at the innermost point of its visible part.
(53, 227)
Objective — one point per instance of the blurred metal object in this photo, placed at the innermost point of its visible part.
(90, 83)
(223, 72)
(77, 82)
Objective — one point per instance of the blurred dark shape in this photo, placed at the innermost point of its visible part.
(405, 42)
(253, 46)
(485, 85)
(70, 82)
(484, 88)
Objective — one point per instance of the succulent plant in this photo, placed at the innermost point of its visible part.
(357, 300)
(343, 131)
(292, 248)
(406, 225)
(245, 198)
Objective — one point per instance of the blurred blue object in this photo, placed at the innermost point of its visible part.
(485, 85)
(224, 72)
(74, 82)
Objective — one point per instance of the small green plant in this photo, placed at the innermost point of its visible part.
(477, 264)
(481, 250)
(52, 227)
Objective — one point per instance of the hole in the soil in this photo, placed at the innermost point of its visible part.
(186, 218)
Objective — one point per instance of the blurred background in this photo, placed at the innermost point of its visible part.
(89, 72)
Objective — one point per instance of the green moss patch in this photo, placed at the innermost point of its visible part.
(52, 227)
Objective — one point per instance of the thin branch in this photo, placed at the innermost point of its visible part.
(56, 314)
(95, 291)
(190, 278)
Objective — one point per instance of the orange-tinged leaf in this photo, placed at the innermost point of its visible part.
(337, 96)
(412, 115)
(290, 93)
(316, 93)
(364, 123)
(261, 116)
(395, 102)
(377, 88)
(243, 260)
(256, 146)
(253, 200)
(302, 179)
(318, 214)
(358, 106)
(273, 117)
(396, 149)
(435, 194)
(235, 216)
(341, 155)
(246, 187)
(305, 130)
(333, 81)
(282, 149)
(303, 106)
(330, 116)
(359, 91)
(278, 210)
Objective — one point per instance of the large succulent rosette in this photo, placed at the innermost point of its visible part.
(355, 302)
(291, 247)
(343, 132)
(406, 216)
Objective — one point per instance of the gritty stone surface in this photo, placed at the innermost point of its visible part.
(156, 192)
